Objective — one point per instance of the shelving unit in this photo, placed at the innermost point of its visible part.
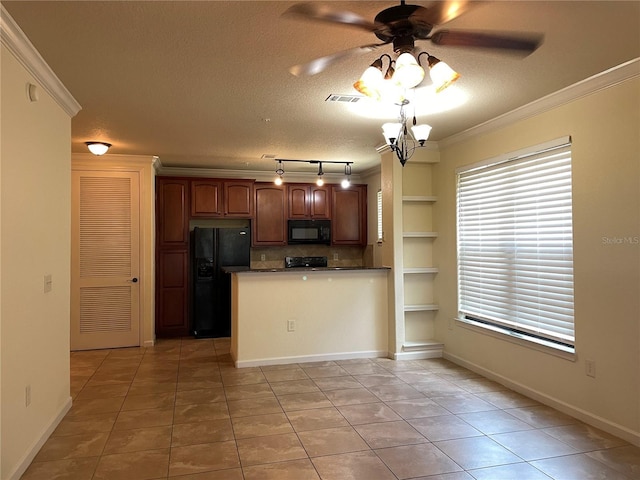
(418, 270)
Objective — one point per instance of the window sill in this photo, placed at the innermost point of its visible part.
(539, 345)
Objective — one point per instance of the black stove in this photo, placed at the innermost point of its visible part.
(305, 262)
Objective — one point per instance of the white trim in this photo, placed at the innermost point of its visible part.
(576, 412)
(515, 155)
(323, 357)
(258, 175)
(31, 452)
(421, 355)
(588, 86)
(504, 335)
(19, 45)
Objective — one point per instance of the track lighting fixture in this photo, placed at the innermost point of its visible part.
(98, 148)
(346, 182)
(320, 181)
(279, 173)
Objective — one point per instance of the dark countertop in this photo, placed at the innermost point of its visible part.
(301, 269)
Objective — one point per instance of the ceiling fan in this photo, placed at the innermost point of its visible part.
(402, 25)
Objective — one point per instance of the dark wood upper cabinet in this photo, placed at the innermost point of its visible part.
(238, 198)
(172, 212)
(270, 223)
(222, 198)
(206, 198)
(349, 215)
(308, 201)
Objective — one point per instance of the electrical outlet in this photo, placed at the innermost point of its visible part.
(263, 257)
(27, 395)
(291, 325)
(335, 256)
(590, 368)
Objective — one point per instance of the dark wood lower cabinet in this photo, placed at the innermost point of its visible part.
(172, 293)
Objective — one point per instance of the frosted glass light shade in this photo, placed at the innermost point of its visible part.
(442, 75)
(421, 133)
(408, 72)
(370, 82)
(391, 132)
(98, 148)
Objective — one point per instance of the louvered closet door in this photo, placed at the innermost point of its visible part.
(105, 260)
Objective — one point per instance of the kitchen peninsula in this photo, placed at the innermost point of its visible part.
(308, 314)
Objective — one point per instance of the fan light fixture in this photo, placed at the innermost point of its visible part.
(98, 148)
(402, 75)
(405, 73)
(320, 181)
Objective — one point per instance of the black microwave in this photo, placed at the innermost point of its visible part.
(309, 232)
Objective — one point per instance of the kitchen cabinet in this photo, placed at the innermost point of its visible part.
(238, 198)
(308, 201)
(217, 198)
(172, 306)
(172, 212)
(349, 215)
(206, 198)
(270, 221)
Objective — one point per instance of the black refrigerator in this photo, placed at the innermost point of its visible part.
(214, 248)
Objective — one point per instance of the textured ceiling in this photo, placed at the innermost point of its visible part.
(206, 83)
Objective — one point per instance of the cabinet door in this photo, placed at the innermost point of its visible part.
(206, 198)
(298, 196)
(238, 198)
(172, 294)
(270, 225)
(349, 215)
(172, 212)
(320, 202)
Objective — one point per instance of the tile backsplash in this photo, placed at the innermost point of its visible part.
(274, 256)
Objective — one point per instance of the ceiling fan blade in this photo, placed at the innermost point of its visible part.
(441, 12)
(320, 64)
(521, 43)
(322, 12)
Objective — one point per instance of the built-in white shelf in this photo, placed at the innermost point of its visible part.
(420, 346)
(416, 270)
(420, 198)
(426, 307)
(419, 234)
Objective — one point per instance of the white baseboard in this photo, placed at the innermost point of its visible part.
(148, 343)
(576, 412)
(323, 357)
(417, 355)
(31, 453)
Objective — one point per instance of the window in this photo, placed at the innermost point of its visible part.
(515, 245)
(379, 202)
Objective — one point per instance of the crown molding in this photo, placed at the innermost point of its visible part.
(258, 175)
(588, 86)
(14, 39)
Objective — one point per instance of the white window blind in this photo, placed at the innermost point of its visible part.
(515, 245)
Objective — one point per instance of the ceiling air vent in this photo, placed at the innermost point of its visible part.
(343, 98)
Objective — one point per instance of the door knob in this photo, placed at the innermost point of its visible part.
(134, 280)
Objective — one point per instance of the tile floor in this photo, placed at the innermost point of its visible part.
(180, 410)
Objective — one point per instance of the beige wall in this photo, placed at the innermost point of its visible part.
(35, 238)
(605, 130)
(339, 314)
